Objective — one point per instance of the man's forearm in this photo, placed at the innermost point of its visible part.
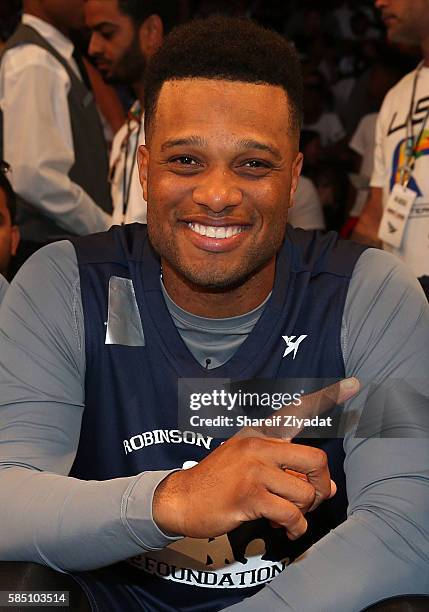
(366, 230)
(63, 201)
(70, 524)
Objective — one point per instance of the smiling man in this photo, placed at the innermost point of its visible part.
(102, 331)
(221, 222)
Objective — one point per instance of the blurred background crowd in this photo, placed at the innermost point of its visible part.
(348, 66)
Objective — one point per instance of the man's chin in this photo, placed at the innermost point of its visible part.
(217, 285)
(108, 78)
(213, 283)
(396, 35)
(221, 280)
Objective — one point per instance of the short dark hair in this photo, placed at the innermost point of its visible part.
(6, 187)
(225, 48)
(140, 10)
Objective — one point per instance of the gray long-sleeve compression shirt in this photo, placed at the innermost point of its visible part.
(382, 549)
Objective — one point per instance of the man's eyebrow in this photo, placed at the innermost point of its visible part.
(103, 24)
(194, 141)
(244, 144)
(260, 146)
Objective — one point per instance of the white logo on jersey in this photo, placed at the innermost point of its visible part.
(292, 344)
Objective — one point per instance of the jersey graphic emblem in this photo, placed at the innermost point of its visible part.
(392, 228)
(292, 344)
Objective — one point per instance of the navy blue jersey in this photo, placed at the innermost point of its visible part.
(130, 422)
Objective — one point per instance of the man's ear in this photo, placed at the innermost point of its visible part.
(143, 164)
(16, 237)
(296, 171)
(151, 34)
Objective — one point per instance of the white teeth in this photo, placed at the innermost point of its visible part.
(215, 232)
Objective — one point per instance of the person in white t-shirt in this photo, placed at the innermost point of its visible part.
(124, 35)
(362, 143)
(384, 74)
(406, 104)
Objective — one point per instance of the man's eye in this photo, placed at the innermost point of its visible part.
(254, 168)
(256, 164)
(184, 160)
(107, 34)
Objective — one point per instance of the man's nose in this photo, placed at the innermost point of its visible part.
(95, 45)
(218, 190)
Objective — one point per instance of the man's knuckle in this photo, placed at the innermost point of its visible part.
(308, 496)
(301, 528)
(251, 445)
(292, 515)
(320, 458)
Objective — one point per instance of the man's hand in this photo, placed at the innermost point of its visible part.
(247, 478)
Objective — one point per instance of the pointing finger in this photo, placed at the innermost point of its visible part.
(312, 405)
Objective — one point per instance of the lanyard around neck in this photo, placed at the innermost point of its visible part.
(412, 143)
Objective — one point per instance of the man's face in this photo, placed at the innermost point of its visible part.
(114, 43)
(9, 235)
(407, 21)
(218, 172)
